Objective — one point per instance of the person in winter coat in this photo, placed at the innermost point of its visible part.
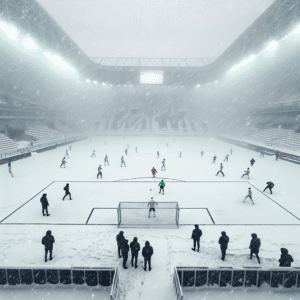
(196, 234)
(254, 246)
(285, 259)
(48, 241)
(67, 192)
(135, 248)
(120, 238)
(252, 161)
(125, 250)
(269, 186)
(223, 241)
(147, 254)
(45, 205)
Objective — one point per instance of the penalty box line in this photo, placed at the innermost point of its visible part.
(274, 201)
(26, 202)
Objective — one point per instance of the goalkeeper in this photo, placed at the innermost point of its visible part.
(152, 204)
(162, 187)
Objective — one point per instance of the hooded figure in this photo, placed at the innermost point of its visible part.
(120, 238)
(254, 246)
(252, 161)
(196, 234)
(45, 205)
(135, 248)
(223, 241)
(285, 259)
(48, 241)
(147, 253)
(125, 250)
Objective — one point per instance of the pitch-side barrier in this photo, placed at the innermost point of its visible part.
(65, 275)
(186, 277)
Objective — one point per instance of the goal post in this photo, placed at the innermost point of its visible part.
(136, 214)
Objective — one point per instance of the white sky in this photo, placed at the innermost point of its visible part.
(155, 28)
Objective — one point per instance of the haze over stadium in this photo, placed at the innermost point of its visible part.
(149, 149)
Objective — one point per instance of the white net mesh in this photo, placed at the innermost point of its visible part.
(136, 214)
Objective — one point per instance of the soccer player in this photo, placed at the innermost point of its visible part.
(163, 166)
(269, 186)
(126, 151)
(122, 161)
(230, 151)
(221, 170)
(202, 153)
(162, 187)
(247, 172)
(262, 154)
(94, 153)
(67, 153)
(214, 159)
(252, 161)
(99, 171)
(152, 204)
(226, 157)
(249, 195)
(106, 160)
(67, 192)
(9, 168)
(63, 162)
(70, 147)
(153, 170)
(157, 154)
(180, 154)
(135, 149)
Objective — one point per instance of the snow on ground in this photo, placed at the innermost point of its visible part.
(92, 245)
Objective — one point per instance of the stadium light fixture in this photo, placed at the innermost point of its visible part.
(88, 80)
(57, 61)
(10, 31)
(272, 46)
(103, 83)
(96, 82)
(29, 44)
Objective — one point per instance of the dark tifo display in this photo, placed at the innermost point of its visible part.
(63, 275)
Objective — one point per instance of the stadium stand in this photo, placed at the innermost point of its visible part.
(7, 144)
(43, 133)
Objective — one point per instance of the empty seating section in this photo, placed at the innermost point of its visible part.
(277, 137)
(43, 133)
(7, 144)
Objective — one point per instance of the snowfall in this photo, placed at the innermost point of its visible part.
(86, 236)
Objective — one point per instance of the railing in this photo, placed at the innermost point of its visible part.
(90, 276)
(37, 146)
(179, 293)
(115, 292)
(190, 277)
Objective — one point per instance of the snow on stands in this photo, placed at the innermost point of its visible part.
(92, 245)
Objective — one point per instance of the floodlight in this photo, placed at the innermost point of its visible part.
(29, 44)
(96, 82)
(272, 46)
(10, 31)
(88, 80)
(297, 30)
(234, 68)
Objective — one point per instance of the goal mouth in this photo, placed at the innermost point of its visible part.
(140, 214)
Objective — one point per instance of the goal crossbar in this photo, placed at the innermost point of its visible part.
(138, 214)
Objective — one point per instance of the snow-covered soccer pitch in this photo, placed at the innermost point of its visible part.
(204, 203)
(96, 246)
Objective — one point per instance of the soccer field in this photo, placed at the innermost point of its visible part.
(215, 203)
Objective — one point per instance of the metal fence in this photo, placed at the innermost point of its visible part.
(115, 290)
(190, 277)
(179, 293)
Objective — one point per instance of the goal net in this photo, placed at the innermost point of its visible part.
(136, 214)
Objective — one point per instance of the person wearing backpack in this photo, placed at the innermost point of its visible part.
(135, 248)
(147, 253)
(67, 192)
